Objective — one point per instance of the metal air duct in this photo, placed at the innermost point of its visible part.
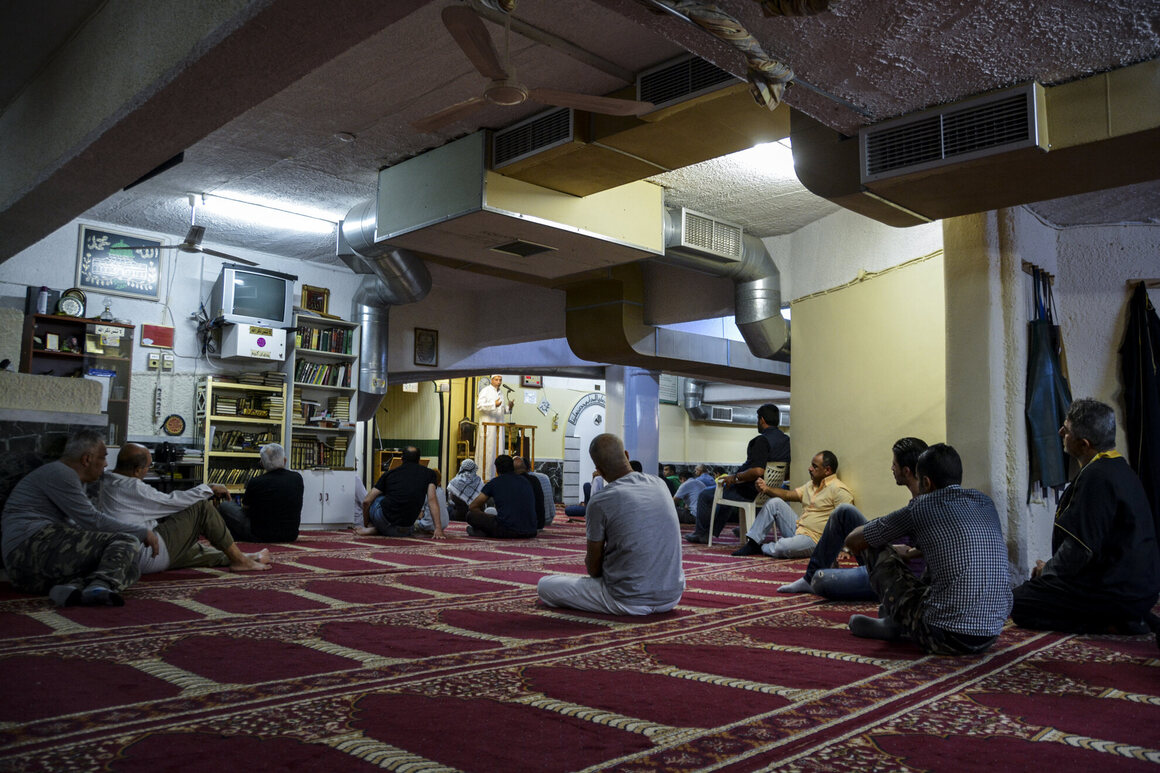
(706, 244)
(694, 395)
(394, 277)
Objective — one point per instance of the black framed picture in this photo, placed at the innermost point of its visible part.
(426, 347)
(119, 263)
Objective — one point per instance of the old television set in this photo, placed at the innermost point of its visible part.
(252, 296)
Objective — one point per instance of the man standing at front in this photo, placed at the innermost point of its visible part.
(1104, 571)
(960, 605)
(634, 549)
(488, 439)
(770, 445)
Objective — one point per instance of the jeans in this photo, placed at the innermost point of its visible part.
(843, 584)
(843, 520)
(791, 545)
(705, 509)
(382, 522)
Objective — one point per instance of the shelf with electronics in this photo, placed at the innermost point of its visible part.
(72, 346)
(236, 415)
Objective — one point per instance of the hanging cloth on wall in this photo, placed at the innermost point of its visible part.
(1048, 394)
(1140, 377)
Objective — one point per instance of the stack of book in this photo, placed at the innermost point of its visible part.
(276, 406)
(225, 406)
(297, 418)
(340, 408)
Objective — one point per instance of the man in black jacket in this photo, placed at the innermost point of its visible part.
(1104, 572)
(770, 445)
(271, 509)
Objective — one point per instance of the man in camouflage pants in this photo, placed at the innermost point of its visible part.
(89, 563)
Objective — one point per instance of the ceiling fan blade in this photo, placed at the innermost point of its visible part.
(589, 103)
(471, 35)
(224, 256)
(449, 115)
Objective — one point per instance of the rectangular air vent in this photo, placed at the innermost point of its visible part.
(709, 236)
(522, 249)
(996, 123)
(719, 413)
(679, 80)
(531, 136)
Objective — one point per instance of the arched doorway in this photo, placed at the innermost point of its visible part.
(585, 421)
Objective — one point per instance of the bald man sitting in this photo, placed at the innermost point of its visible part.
(634, 543)
(179, 518)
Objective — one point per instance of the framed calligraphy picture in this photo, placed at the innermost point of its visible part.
(426, 347)
(119, 263)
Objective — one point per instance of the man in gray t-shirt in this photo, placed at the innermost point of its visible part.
(634, 543)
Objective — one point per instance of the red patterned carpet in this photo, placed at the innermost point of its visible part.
(357, 654)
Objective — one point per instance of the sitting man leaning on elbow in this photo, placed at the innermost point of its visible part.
(633, 556)
(960, 605)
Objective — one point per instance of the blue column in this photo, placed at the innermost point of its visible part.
(635, 392)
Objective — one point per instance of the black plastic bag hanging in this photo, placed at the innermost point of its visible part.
(1140, 375)
(1048, 394)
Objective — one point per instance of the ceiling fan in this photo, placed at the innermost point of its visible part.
(472, 37)
(196, 233)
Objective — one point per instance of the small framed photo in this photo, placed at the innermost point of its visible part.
(534, 382)
(119, 263)
(52, 342)
(316, 299)
(426, 347)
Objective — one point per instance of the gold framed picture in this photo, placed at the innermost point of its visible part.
(316, 299)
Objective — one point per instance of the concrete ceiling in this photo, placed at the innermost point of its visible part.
(860, 62)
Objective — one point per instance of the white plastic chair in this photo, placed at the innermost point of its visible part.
(774, 477)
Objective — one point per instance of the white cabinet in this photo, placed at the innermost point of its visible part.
(328, 497)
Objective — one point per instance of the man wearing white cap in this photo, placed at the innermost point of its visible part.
(492, 407)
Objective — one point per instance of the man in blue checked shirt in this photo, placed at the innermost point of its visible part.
(960, 606)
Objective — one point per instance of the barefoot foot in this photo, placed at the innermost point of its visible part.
(262, 556)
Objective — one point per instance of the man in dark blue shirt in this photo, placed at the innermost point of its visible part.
(770, 445)
(515, 505)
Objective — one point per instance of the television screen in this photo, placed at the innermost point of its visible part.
(260, 296)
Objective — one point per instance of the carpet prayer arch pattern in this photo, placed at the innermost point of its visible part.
(415, 655)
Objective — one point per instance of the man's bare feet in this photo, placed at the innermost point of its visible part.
(262, 556)
(366, 531)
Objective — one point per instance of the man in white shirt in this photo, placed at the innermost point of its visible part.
(492, 408)
(179, 518)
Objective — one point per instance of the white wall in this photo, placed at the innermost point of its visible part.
(186, 280)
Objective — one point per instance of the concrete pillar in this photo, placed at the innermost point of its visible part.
(633, 412)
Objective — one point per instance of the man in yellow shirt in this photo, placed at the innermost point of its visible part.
(799, 536)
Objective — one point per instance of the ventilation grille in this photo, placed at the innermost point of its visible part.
(719, 413)
(710, 236)
(981, 127)
(522, 249)
(680, 80)
(531, 136)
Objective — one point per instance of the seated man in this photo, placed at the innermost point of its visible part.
(180, 518)
(393, 505)
(799, 536)
(960, 605)
(90, 562)
(686, 496)
(1104, 574)
(515, 505)
(271, 509)
(426, 522)
(463, 488)
(634, 544)
(854, 584)
(543, 485)
(701, 472)
(672, 480)
(770, 445)
(524, 471)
